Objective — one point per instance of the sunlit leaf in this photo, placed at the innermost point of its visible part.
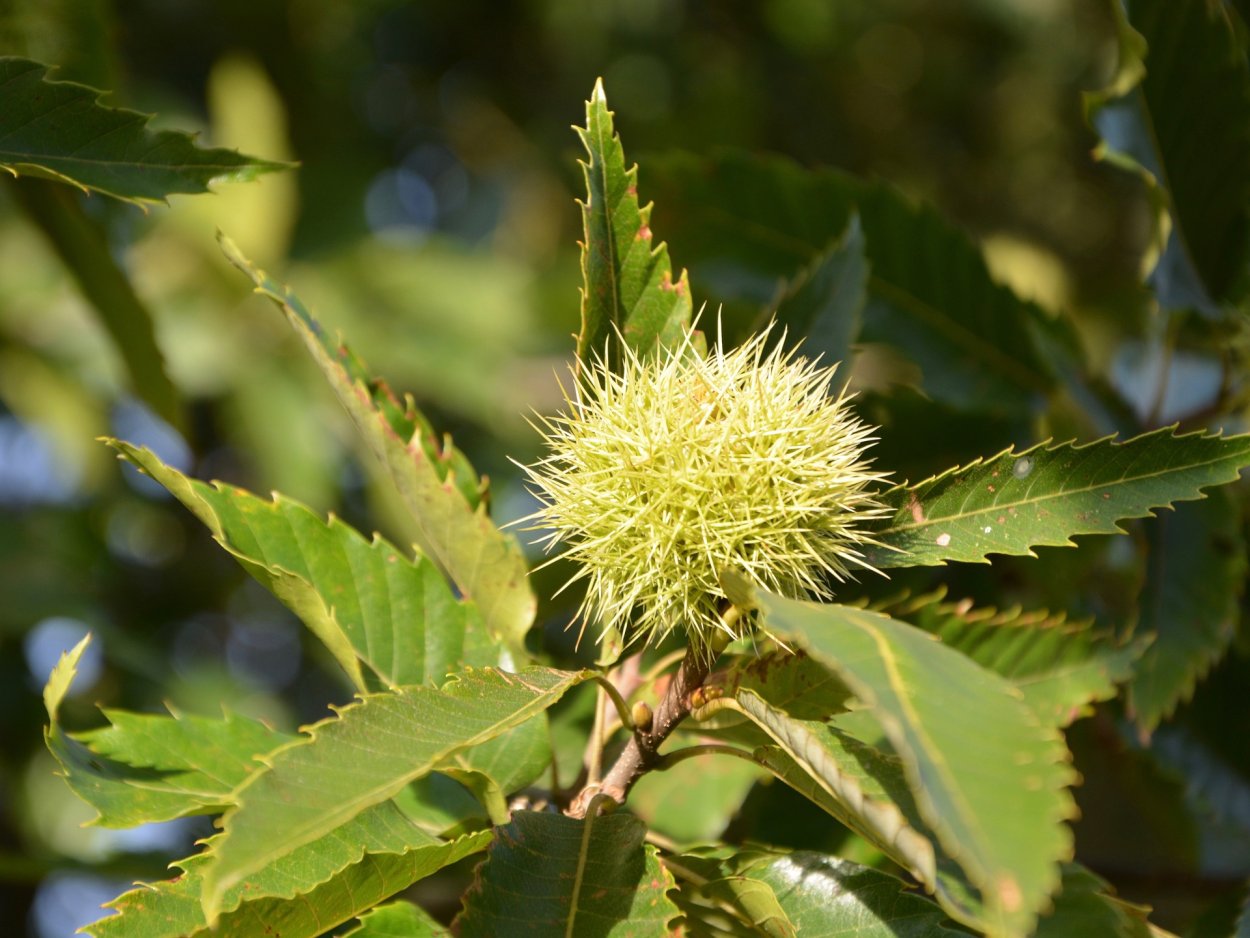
(145, 767)
(744, 223)
(548, 874)
(693, 801)
(1062, 666)
(436, 482)
(399, 919)
(59, 130)
(627, 282)
(62, 676)
(262, 906)
(366, 600)
(863, 786)
(365, 755)
(1013, 502)
(817, 894)
(988, 776)
(503, 765)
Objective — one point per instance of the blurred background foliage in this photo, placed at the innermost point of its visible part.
(432, 220)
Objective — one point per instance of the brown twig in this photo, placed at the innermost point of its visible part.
(642, 751)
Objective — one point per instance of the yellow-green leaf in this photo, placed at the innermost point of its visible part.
(436, 482)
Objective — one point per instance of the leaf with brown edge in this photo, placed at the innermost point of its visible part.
(628, 285)
(444, 496)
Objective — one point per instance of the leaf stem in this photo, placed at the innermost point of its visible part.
(618, 701)
(670, 759)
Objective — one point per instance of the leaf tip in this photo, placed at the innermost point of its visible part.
(62, 676)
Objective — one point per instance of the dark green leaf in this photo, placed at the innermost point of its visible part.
(368, 602)
(827, 895)
(824, 303)
(1134, 815)
(1190, 603)
(365, 755)
(547, 874)
(628, 284)
(59, 130)
(746, 222)
(1086, 907)
(1013, 502)
(919, 437)
(1183, 123)
(988, 776)
(801, 686)
(438, 485)
(711, 885)
(1217, 790)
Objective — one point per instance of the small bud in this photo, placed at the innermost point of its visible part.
(702, 696)
(641, 715)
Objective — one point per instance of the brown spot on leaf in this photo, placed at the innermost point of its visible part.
(913, 504)
(1008, 892)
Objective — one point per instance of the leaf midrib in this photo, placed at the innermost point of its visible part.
(40, 159)
(1041, 499)
(955, 790)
